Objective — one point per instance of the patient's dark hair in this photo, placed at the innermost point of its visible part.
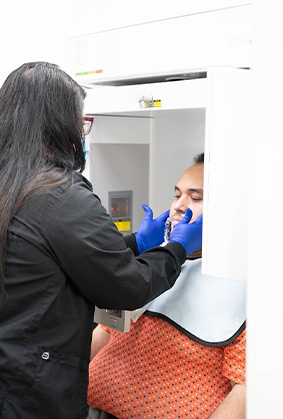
(199, 159)
(41, 122)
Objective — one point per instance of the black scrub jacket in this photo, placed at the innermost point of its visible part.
(65, 255)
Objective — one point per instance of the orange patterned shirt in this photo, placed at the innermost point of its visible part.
(155, 371)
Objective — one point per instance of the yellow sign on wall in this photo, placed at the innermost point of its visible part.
(123, 225)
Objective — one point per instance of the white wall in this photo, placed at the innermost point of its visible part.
(121, 167)
(265, 307)
(34, 30)
(104, 15)
(178, 136)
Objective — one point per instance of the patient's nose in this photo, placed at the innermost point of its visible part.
(181, 204)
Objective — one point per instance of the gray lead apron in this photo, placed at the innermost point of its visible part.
(210, 310)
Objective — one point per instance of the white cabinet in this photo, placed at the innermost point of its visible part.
(147, 148)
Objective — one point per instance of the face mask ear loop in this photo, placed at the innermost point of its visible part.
(85, 145)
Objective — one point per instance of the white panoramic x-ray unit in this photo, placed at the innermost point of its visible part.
(161, 89)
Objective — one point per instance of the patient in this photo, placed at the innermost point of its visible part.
(184, 356)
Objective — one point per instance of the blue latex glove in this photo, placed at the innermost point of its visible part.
(150, 232)
(189, 235)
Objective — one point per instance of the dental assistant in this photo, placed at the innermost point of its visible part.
(60, 253)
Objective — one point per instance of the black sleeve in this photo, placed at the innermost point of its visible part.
(130, 242)
(92, 252)
(175, 248)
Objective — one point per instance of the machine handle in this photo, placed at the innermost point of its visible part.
(148, 99)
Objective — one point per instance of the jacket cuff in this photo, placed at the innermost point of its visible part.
(178, 250)
(131, 243)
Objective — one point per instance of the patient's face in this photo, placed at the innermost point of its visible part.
(188, 193)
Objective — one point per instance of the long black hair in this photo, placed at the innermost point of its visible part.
(41, 123)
